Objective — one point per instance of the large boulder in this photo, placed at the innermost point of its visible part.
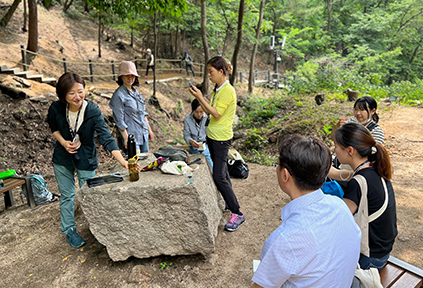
(160, 214)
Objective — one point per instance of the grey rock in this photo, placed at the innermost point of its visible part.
(160, 214)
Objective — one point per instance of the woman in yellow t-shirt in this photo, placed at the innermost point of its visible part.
(221, 110)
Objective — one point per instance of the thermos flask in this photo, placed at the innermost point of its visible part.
(132, 146)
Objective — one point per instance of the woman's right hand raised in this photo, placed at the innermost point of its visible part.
(196, 92)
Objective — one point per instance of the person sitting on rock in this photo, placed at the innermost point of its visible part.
(195, 131)
(318, 242)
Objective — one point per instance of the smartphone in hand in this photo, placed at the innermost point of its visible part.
(190, 84)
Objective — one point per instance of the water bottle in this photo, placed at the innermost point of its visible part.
(132, 146)
(190, 179)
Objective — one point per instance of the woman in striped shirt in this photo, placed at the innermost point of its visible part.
(365, 114)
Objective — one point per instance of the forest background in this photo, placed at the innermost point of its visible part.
(369, 46)
(373, 46)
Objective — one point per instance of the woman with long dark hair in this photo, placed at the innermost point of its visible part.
(221, 110)
(355, 146)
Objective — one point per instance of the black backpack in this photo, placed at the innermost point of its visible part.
(172, 153)
(238, 169)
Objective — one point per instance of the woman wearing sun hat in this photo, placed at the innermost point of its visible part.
(129, 108)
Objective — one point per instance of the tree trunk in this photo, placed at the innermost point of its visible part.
(33, 28)
(6, 18)
(253, 56)
(25, 18)
(238, 40)
(132, 35)
(412, 60)
(99, 36)
(67, 4)
(205, 84)
(226, 41)
(177, 41)
(329, 20)
(155, 53)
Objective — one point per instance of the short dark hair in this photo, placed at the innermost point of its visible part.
(219, 63)
(367, 103)
(194, 104)
(65, 83)
(120, 81)
(308, 160)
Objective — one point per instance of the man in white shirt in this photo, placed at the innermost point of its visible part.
(318, 242)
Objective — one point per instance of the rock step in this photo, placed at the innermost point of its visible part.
(28, 75)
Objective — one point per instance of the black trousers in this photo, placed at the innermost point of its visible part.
(190, 67)
(148, 68)
(219, 155)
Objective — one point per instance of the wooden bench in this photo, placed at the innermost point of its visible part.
(400, 274)
(13, 182)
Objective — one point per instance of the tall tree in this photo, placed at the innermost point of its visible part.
(205, 84)
(253, 56)
(238, 40)
(33, 27)
(6, 18)
(25, 18)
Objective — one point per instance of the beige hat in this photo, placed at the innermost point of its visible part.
(128, 68)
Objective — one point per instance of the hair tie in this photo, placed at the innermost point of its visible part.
(374, 149)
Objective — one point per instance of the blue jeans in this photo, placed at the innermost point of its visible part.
(206, 153)
(65, 177)
(370, 262)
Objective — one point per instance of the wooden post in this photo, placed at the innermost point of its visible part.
(136, 62)
(240, 77)
(113, 69)
(180, 66)
(23, 57)
(91, 70)
(65, 65)
(268, 75)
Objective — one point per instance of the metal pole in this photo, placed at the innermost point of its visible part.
(91, 70)
(65, 65)
(23, 57)
(113, 69)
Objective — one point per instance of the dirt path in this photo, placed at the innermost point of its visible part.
(404, 139)
(33, 252)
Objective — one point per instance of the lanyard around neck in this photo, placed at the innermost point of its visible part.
(73, 131)
(359, 166)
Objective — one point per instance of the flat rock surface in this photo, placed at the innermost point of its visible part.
(160, 214)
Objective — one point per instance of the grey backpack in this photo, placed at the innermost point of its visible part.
(39, 189)
(172, 153)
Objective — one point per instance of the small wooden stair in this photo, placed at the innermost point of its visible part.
(27, 75)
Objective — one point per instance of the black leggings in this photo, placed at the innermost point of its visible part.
(219, 155)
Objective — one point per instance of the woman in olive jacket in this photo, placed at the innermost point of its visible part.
(74, 122)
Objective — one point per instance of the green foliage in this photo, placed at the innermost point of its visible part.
(163, 265)
(254, 139)
(260, 110)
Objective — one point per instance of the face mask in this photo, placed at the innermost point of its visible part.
(362, 122)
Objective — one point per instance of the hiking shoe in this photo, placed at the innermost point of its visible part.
(145, 76)
(74, 239)
(235, 221)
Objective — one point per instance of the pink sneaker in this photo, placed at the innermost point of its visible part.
(145, 76)
(235, 221)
